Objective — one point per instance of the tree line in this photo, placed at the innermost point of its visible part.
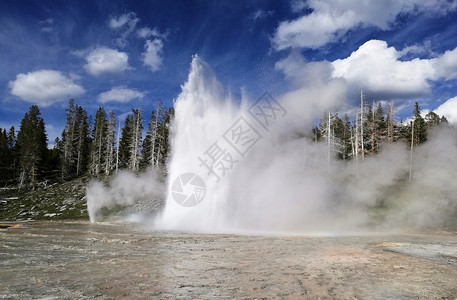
(88, 146)
(372, 126)
(99, 147)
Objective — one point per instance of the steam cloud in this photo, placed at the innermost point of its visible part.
(285, 184)
(125, 189)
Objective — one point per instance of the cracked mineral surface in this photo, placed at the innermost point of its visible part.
(61, 260)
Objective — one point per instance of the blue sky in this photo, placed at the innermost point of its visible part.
(129, 54)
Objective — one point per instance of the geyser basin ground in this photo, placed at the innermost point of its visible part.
(107, 261)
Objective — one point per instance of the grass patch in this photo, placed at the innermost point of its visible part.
(60, 201)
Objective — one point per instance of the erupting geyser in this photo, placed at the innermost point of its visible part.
(283, 182)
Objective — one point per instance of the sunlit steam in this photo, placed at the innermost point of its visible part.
(285, 182)
(282, 180)
(125, 189)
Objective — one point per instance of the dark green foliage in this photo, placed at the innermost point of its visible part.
(52, 166)
(420, 128)
(380, 123)
(75, 142)
(32, 147)
(156, 145)
(11, 138)
(342, 136)
(4, 156)
(164, 133)
(126, 137)
(83, 141)
(148, 158)
(392, 127)
(109, 141)
(432, 120)
(316, 134)
(98, 145)
(379, 126)
(136, 129)
(25, 159)
(337, 135)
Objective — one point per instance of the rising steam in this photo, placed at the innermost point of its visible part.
(286, 184)
(125, 190)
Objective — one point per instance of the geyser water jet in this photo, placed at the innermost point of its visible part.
(280, 184)
(282, 181)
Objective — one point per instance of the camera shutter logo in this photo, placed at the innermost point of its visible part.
(188, 189)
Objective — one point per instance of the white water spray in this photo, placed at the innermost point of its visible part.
(280, 184)
(276, 178)
(284, 183)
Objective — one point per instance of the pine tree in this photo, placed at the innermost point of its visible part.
(75, 142)
(52, 169)
(316, 134)
(109, 144)
(135, 141)
(331, 128)
(432, 120)
(83, 141)
(4, 155)
(392, 127)
(148, 157)
(11, 138)
(32, 146)
(10, 159)
(165, 135)
(420, 128)
(379, 128)
(338, 134)
(68, 156)
(124, 152)
(369, 132)
(98, 145)
(155, 145)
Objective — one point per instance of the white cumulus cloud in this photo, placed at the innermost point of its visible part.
(331, 19)
(152, 56)
(44, 87)
(449, 110)
(377, 69)
(300, 72)
(103, 60)
(446, 65)
(119, 94)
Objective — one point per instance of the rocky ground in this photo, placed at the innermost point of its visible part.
(57, 201)
(56, 260)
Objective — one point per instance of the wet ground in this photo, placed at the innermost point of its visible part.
(57, 260)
